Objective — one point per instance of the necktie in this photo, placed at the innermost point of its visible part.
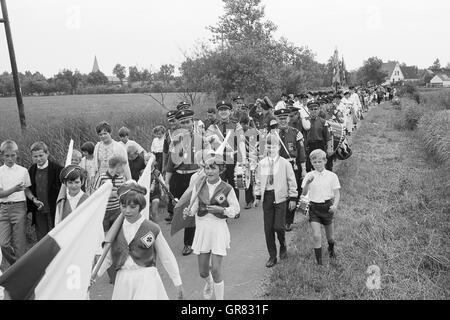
(271, 172)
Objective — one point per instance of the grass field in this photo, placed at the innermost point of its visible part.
(394, 217)
(57, 119)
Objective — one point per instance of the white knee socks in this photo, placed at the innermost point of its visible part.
(219, 290)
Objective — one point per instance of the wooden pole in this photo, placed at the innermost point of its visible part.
(15, 73)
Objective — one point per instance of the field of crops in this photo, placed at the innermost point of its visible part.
(57, 119)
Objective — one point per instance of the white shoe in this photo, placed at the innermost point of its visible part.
(208, 290)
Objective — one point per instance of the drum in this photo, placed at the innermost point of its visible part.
(242, 176)
(303, 205)
(337, 133)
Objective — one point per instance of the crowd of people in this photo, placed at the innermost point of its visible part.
(280, 155)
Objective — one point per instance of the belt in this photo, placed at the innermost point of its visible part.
(11, 202)
(186, 171)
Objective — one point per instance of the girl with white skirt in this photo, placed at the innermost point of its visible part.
(214, 202)
(135, 249)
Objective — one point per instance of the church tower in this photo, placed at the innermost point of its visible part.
(95, 68)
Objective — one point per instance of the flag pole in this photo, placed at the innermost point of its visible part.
(109, 238)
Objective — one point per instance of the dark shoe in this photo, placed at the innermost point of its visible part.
(288, 227)
(168, 219)
(332, 254)
(248, 206)
(271, 262)
(283, 253)
(237, 216)
(187, 250)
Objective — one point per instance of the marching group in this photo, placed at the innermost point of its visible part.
(282, 156)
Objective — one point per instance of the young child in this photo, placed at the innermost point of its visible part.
(87, 163)
(45, 184)
(322, 188)
(76, 157)
(157, 145)
(135, 250)
(216, 201)
(275, 194)
(115, 174)
(124, 134)
(14, 184)
(73, 178)
(136, 162)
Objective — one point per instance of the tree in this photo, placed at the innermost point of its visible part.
(165, 73)
(120, 72)
(371, 72)
(133, 74)
(73, 78)
(97, 78)
(436, 65)
(242, 23)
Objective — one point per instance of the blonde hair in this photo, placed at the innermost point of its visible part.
(317, 153)
(115, 160)
(9, 145)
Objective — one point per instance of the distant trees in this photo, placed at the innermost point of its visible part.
(436, 65)
(371, 72)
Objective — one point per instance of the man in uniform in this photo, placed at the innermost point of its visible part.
(318, 136)
(181, 165)
(291, 148)
(235, 147)
(199, 126)
(237, 108)
(210, 117)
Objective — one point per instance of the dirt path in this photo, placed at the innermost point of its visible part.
(244, 266)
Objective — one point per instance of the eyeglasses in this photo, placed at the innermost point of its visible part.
(186, 122)
(313, 109)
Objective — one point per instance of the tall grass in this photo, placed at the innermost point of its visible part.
(54, 124)
(434, 129)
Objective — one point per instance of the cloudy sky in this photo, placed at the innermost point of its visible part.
(50, 35)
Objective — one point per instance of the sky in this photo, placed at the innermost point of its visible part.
(50, 35)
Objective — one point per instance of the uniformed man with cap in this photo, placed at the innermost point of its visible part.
(235, 148)
(318, 136)
(199, 126)
(210, 117)
(291, 148)
(181, 165)
(237, 112)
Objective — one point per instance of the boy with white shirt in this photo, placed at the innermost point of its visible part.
(275, 194)
(322, 187)
(124, 134)
(14, 184)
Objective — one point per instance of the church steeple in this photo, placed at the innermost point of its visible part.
(95, 68)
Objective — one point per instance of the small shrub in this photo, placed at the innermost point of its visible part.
(409, 117)
(434, 129)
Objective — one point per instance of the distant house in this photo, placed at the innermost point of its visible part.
(440, 80)
(398, 73)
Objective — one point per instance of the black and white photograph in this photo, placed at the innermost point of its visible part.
(256, 151)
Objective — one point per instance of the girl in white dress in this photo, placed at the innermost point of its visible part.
(135, 249)
(212, 205)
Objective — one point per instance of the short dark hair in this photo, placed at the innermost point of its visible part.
(88, 146)
(103, 125)
(133, 197)
(74, 175)
(124, 131)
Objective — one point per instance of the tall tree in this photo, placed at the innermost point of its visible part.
(97, 78)
(133, 74)
(120, 72)
(371, 72)
(436, 65)
(166, 72)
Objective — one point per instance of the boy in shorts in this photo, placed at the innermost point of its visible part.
(322, 187)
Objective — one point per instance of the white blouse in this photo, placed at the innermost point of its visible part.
(164, 253)
(231, 211)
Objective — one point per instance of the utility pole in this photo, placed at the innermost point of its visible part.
(15, 73)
